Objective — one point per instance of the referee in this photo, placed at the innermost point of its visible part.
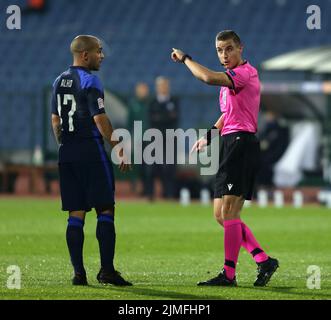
(239, 155)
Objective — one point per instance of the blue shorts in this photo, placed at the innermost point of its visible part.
(86, 185)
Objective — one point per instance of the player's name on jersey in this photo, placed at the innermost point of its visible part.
(66, 83)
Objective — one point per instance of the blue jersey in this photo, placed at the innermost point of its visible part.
(77, 97)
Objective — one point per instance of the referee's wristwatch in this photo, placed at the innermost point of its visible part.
(185, 56)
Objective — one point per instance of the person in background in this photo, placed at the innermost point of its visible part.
(163, 115)
(274, 139)
(138, 111)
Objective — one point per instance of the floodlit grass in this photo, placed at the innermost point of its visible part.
(164, 249)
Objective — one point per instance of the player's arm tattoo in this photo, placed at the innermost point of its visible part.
(57, 128)
(58, 132)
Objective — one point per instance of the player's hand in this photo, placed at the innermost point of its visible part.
(125, 164)
(199, 145)
(124, 167)
(177, 55)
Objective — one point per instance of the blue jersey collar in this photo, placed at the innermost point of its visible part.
(80, 67)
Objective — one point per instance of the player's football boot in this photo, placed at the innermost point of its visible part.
(114, 278)
(79, 280)
(220, 280)
(264, 272)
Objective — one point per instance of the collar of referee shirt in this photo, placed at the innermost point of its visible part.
(244, 62)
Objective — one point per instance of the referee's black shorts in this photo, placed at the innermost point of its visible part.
(239, 163)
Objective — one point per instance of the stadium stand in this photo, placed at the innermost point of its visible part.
(138, 38)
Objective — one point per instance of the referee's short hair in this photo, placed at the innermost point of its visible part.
(227, 35)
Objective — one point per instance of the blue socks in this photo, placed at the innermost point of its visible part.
(75, 241)
(106, 236)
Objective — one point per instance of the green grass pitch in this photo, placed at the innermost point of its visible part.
(164, 249)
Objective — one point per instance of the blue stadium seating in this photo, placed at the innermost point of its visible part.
(138, 36)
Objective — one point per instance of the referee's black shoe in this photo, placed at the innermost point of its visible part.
(264, 271)
(220, 280)
(79, 280)
(114, 278)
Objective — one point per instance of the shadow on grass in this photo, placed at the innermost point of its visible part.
(158, 293)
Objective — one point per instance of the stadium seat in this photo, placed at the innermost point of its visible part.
(138, 39)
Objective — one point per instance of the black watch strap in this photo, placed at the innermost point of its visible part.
(186, 56)
(211, 134)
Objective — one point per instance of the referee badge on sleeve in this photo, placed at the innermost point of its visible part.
(100, 103)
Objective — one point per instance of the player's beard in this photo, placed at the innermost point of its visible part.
(95, 66)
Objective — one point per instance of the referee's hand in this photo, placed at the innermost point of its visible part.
(177, 55)
(199, 145)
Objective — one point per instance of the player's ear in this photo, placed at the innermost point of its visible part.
(85, 55)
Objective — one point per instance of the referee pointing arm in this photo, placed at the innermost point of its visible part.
(239, 101)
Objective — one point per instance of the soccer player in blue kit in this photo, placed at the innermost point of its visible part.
(80, 124)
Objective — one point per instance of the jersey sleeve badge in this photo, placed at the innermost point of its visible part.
(101, 103)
